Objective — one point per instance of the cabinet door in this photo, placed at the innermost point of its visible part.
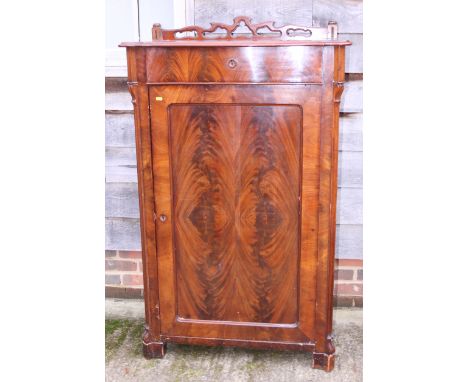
(236, 175)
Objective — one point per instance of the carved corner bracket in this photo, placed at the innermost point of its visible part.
(132, 90)
(338, 88)
(262, 30)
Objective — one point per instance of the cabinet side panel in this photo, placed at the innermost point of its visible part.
(146, 203)
(327, 203)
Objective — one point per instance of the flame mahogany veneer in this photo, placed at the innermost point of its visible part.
(237, 147)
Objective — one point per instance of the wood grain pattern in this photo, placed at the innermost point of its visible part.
(122, 191)
(121, 161)
(347, 13)
(235, 171)
(124, 234)
(120, 133)
(333, 59)
(308, 98)
(227, 64)
(141, 102)
(122, 202)
(238, 189)
(351, 99)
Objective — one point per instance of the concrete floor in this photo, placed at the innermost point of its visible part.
(124, 361)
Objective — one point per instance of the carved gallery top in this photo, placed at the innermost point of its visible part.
(263, 34)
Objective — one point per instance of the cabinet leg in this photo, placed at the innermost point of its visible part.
(154, 350)
(323, 361)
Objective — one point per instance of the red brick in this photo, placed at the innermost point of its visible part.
(348, 263)
(122, 292)
(130, 254)
(344, 274)
(112, 279)
(347, 301)
(359, 274)
(119, 265)
(348, 289)
(132, 279)
(353, 77)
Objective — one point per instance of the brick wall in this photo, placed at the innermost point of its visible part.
(124, 278)
(348, 282)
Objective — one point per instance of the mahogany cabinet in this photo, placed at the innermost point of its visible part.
(237, 144)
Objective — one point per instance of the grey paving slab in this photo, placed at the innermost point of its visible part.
(124, 361)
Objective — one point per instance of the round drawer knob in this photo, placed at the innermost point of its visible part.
(232, 63)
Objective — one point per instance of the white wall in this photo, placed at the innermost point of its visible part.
(131, 20)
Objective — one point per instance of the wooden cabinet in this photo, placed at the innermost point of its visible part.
(237, 141)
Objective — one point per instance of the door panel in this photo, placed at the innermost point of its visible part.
(233, 256)
(235, 176)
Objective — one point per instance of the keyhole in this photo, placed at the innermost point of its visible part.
(232, 63)
(163, 218)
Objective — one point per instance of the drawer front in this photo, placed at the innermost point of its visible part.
(288, 64)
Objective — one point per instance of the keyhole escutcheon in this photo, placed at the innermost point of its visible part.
(232, 63)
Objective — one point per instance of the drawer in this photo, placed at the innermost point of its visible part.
(250, 64)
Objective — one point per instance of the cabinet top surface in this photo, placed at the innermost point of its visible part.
(237, 42)
(263, 34)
